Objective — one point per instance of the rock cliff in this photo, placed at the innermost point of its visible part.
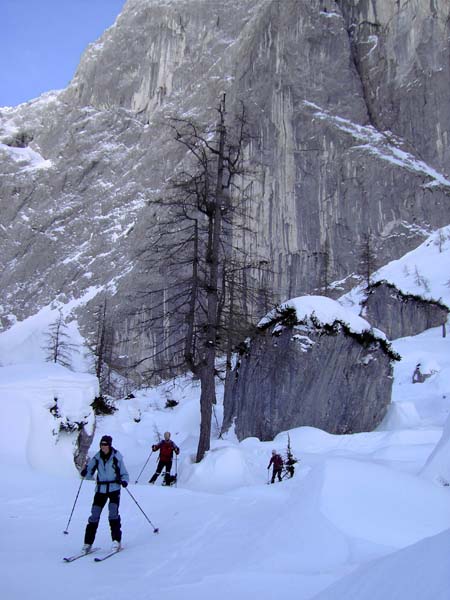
(399, 314)
(348, 103)
(304, 370)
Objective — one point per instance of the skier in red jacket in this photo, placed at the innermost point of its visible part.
(166, 449)
(277, 463)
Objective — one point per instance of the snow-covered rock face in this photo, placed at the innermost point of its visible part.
(78, 166)
(400, 315)
(400, 56)
(323, 369)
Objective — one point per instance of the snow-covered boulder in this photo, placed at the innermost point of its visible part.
(313, 363)
(400, 314)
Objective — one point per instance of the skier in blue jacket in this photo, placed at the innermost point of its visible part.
(111, 475)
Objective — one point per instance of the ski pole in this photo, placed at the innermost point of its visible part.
(155, 529)
(142, 470)
(66, 530)
(176, 470)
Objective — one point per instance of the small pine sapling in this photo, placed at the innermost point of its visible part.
(290, 459)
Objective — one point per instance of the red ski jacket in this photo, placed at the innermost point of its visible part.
(166, 449)
(277, 461)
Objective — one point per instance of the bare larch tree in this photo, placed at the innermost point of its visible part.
(198, 301)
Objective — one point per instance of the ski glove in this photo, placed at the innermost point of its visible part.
(83, 472)
(124, 483)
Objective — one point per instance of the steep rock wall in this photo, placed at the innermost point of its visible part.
(401, 52)
(307, 377)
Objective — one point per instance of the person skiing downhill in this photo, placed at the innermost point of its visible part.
(277, 463)
(111, 474)
(166, 449)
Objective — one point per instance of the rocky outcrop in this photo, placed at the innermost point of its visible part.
(309, 373)
(398, 314)
(78, 169)
(83, 444)
(399, 55)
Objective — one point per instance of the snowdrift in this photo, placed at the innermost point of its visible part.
(39, 404)
(419, 572)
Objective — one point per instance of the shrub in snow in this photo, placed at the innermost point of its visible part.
(102, 405)
(171, 403)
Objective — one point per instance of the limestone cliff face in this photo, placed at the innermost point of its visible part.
(401, 55)
(308, 376)
(401, 315)
(347, 102)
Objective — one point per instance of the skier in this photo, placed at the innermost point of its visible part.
(166, 449)
(277, 463)
(418, 376)
(111, 474)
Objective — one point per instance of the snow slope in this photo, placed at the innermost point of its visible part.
(417, 572)
(360, 509)
(223, 531)
(423, 272)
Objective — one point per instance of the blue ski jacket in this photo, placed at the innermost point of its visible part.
(110, 472)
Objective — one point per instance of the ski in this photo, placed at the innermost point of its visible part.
(107, 555)
(79, 555)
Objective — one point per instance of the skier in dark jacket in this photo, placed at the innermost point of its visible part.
(111, 475)
(277, 463)
(166, 449)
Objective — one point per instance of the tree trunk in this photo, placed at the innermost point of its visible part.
(208, 367)
(207, 398)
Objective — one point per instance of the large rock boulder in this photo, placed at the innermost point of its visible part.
(311, 363)
(399, 314)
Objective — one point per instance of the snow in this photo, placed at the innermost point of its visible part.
(421, 272)
(32, 160)
(366, 516)
(437, 467)
(418, 572)
(325, 310)
(29, 433)
(26, 341)
(381, 144)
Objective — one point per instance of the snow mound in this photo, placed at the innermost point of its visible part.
(419, 572)
(39, 406)
(353, 490)
(221, 470)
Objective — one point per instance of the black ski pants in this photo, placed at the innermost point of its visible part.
(167, 464)
(276, 471)
(114, 518)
